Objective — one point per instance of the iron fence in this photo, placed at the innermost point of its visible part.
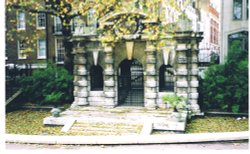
(12, 73)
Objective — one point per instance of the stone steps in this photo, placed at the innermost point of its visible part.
(122, 110)
(135, 116)
(105, 129)
(111, 118)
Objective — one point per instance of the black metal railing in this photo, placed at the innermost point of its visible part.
(13, 73)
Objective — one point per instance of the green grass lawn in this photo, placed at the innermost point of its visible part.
(216, 124)
(31, 123)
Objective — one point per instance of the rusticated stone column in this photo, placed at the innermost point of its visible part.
(109, 79)
(187, 68)
(80, 77)
(181, 67)
(193, 73)
(150, 83)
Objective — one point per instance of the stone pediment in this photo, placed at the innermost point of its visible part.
(109, 18)
(126, 23)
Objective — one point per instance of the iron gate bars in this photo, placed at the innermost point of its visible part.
(130, 83)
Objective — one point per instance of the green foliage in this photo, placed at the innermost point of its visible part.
(225, 86)
(176, 102)
(54, 97)
(52, 85)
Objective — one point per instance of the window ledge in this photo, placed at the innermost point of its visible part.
(40, 28)
(41, 58)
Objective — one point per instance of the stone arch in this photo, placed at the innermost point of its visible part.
(130, 83)
(96, 78)
(166, 78)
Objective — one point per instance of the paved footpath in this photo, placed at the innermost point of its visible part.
(228, 145)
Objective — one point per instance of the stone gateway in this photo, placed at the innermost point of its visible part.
(133, 72)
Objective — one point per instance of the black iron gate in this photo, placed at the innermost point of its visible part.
(130, 83)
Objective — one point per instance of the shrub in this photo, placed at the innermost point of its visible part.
(176, 102)
(225, 86)
(52, 85)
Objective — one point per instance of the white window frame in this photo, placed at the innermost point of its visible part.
(38, 24)
(57, 49)
(21, 23)
(39, 49)
(19, 54)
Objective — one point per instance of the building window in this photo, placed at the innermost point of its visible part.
(60, 51)
(96, 76)
(41, 20)
(247, 9)
(166, 79)
(238, 41)
(77, 25)
(21, 46)
(214, 34)
(41, 51)
(237, 9)
(91, 19)
(21, 20)
(58, 25)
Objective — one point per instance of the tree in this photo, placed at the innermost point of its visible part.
(67, 10)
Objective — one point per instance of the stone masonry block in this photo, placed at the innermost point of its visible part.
(96, 93)
(82, 83)
(109, 94)
(193, 101)
(109, 72)
(182, 84)
(194, 71)
(183, 95)
(108, 49)
(109, 60)
(194, 95)
(109, 83)
(96, 99)
(182, 71)
(151, 95)
(82, 72)
(150, 103)
(182, 60)
(79, 60)
(79, 50)
(109, 101)
(150, 60)
(152, 72)
(181, 47)
(82, 94)
(80, 101)
(194, 83)
(151, 83)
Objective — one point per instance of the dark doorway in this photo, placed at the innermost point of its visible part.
(130, 83)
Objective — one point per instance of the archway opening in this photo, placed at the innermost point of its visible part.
(130, 83)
